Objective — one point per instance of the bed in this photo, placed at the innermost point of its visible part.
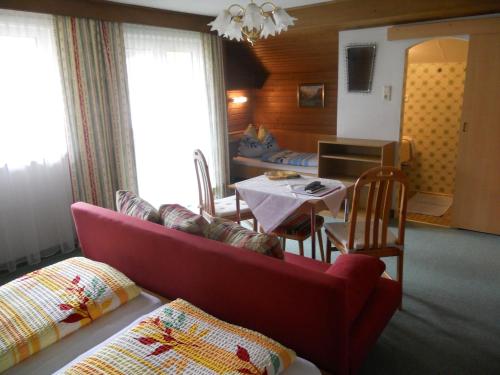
(243, 167)
(247, 166)
(298, 367)
(89, 339)
(57, 355)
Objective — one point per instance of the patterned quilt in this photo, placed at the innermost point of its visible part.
(179, 338)
(304, 159)
(45, 305)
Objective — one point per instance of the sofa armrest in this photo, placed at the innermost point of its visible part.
(362, 274)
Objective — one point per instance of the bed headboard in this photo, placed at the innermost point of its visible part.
(298, 141)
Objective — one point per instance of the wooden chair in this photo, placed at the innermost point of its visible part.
(372, 236)
(209, 207)
(298, 228)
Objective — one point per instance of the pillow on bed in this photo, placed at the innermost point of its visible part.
(234, 234)
(250, 147)
(251, 131)
(269, 143)
(181, 338)
(177, 217)
(131, 204)
(46, 305)
(262, 133)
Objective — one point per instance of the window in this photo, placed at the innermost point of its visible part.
(170, 114)
(34, 178)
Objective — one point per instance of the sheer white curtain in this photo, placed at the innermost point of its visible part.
(170, 111)
(35, 190)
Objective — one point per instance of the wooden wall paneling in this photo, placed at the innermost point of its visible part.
(307, 56)
(114, 12)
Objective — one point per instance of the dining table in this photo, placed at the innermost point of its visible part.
(273, 201)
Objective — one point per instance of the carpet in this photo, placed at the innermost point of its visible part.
(429, 204)
(450, 322)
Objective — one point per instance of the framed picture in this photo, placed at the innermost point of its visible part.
(311, 95)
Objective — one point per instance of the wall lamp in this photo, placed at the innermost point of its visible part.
(239, 99)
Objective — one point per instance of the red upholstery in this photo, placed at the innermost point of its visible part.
(305, 262)
(361, 278)
(305, 309)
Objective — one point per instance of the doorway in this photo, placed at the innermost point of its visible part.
(432, 112)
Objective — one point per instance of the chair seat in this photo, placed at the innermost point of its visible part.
(226, 207)
(341, 232)
(299, 225)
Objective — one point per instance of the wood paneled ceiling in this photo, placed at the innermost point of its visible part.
(299, 50)
(346, 14)
(311, 45)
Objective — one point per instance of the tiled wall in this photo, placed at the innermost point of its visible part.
(432, 117)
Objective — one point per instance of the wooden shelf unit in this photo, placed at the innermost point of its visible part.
(347, 158)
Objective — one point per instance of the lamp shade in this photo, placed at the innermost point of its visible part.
(282, 19)
(268, 28)
(221, 23)
(253, 18)
(233, 31)
(251, 23)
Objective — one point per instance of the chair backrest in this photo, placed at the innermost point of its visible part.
(206, 196)
(381, 181)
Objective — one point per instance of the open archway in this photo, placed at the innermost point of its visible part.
(432, 111)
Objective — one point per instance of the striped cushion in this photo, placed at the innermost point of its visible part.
(299, 225)
(233, 234)
(177, 217)
(129, 203)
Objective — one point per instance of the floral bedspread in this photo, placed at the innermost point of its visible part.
(179, 338)
(45, 305)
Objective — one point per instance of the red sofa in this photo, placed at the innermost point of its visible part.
(329, 314)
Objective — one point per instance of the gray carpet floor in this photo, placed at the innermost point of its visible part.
(450, 322)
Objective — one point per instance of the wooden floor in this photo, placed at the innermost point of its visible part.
(440, 221)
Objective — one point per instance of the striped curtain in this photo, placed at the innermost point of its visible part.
(216, 94)
(99, 131)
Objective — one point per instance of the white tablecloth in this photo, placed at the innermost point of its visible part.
(272, 202)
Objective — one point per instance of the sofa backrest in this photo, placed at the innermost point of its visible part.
(303, 309)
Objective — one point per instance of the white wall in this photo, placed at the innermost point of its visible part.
(369, 116)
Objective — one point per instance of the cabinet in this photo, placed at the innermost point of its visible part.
(346, 159)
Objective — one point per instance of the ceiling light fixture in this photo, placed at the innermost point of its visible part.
(251, 23)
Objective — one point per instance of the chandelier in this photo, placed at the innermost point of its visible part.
(251, 23)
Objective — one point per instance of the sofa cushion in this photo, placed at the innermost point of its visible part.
(234, 234)
(362, 274)
(131, 204)
(177, 217)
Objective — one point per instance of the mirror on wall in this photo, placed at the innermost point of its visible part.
(360, 64)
